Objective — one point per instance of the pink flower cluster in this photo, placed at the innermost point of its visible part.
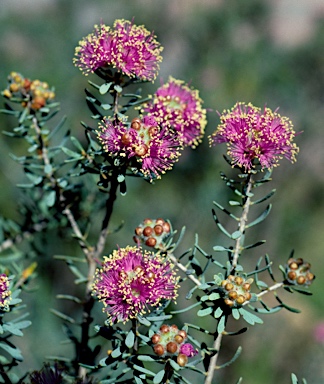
(155, 149)
(129, 48)
(5, 294)
(255, 136)
(181, 107)
(130, 280)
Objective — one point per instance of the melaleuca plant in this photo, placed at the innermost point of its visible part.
(69, 184)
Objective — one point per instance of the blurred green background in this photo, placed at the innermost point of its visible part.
(267, 52)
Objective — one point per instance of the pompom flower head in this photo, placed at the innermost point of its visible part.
(181, 107)
(131, 280)
(255, 136)
(5, 294)
(155, 149)
(129, 48)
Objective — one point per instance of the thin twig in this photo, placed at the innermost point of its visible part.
(213, 360)
(242, 224)
(184, 269)
(270, 289)
(234, 261)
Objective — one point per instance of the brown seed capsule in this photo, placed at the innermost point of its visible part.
(26, 85)
(126, 139)
(159, 221)
(164, 328)
(122, 274)
(174, 328)
(150, 242)
(153, 131)
(159, 349)
(293, 265)
(178, 339)
(166, 227)
(141, 150)
(158, 229)
(147, 221)
(136, 123)
(38, 102)
(182, 333)
(232, 295)
(229, 286)
(150, 276)
(172, 347)
(147, 231)
(139, 270)
(248, 296)
(14, 87)
(246, 286)
(240, 299)
(301, 280)
(300, 261)
(138, 231)
(155, 338)
(305, 267)
(291, 275)
(309, 276)
(137, 240)
(229, 302)
(238, 280)
(182, 359)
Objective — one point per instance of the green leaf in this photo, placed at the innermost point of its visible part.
(235, 313)
(118, 88)
(214, 296)
(130, 339)
(144, 370)
(76, 143)
(294, 379)
(175, 365)
(137, 380)
(250, 317)
(158, 377)
(218, 313)
(104, 88)
(115, 353)
(14, 352)
(143, 321)
(262, 217)
(221, 324)
(219, 248)
(205, 312)
(62, 316)
(159, 318)
(264, 198)
(145, 358)
(237, 354)
(236, 235)
(50, 198)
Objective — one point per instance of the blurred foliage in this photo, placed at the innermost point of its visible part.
(227, 50)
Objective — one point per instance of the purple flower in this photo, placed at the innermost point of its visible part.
(130, 280)
(188, 350)
(155, 148)
(5, 293)
(255, 136)
(129, 48)
(181, 107)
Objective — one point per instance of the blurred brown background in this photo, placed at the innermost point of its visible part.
(267, 52)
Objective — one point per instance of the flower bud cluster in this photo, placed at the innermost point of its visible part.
(35, 93)
(236, 290)
(298, 272)
(169, 340)
(152, 232)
